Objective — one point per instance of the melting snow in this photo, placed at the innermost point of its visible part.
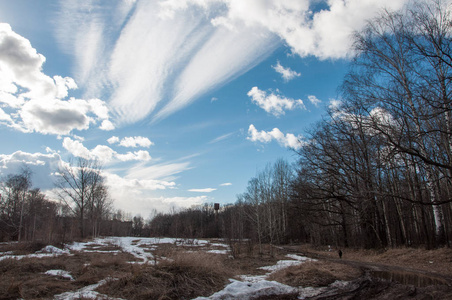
(250, 290)
(86, 292)
(61, 273)
(48, 251)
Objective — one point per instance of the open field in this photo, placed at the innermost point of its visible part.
(163, 268)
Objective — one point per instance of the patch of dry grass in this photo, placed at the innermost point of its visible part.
(182, 276)
(22, 248)
(25, 278)
(315, 274)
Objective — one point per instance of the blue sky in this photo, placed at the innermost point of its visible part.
(181, 100)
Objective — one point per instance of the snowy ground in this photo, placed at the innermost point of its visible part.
(143, 249)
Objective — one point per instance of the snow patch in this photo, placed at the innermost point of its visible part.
(54, 250)
(250, 290)
(86, 292)
(60, 273)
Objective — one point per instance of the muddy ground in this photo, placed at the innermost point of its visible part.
(384, 276)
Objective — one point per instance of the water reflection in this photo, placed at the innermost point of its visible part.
(415, 279)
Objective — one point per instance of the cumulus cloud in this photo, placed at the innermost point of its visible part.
(113, 140)
(136, 141)
(140, 155)
(324, 33)
(206, 190)
(35, 99)
(334, 104)
(22, 65)
(107, 125)
(286, 73)
(42, 166)
(131, 141)
(288, 140)
(4, 116)
(313, 99)
(273, 103)
(102, 153)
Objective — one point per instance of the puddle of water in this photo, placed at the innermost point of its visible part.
(408, 278)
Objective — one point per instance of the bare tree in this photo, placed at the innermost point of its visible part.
(79, 188)
(402, 82)
(15, 190)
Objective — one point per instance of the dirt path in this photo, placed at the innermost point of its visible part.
(383, 281)
(379, 270)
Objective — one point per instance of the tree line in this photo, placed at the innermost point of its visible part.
(84, 207)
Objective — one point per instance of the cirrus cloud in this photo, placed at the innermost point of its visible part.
(206, 190)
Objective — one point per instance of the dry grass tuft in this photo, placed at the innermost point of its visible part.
(315, 274)
(182, 276)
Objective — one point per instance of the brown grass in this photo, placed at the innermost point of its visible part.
(315, 274)
(26, 279)
(183, 276)
(22, 248)
(436, 260)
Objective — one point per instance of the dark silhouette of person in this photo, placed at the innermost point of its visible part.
(340, 253)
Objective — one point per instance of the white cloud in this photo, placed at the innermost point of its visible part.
(22, 65)
(164, 171)
(206, 190)
(289, 140)
(107, 125)
(4, 116)
(221, 138)
(135, 195)
(42, 166)
(238, 51)
(325, 33)
(185, 201)
(334, 104)
(140, 155)
(54, 117)
(223, 38)
(38, 104)
(113, 140)
(226, 184)
(103, 153)
(76, 148)
(136, 141)
(272, 103)
(286, 73)
(131, 141)
(120, 184)
(313, 99)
